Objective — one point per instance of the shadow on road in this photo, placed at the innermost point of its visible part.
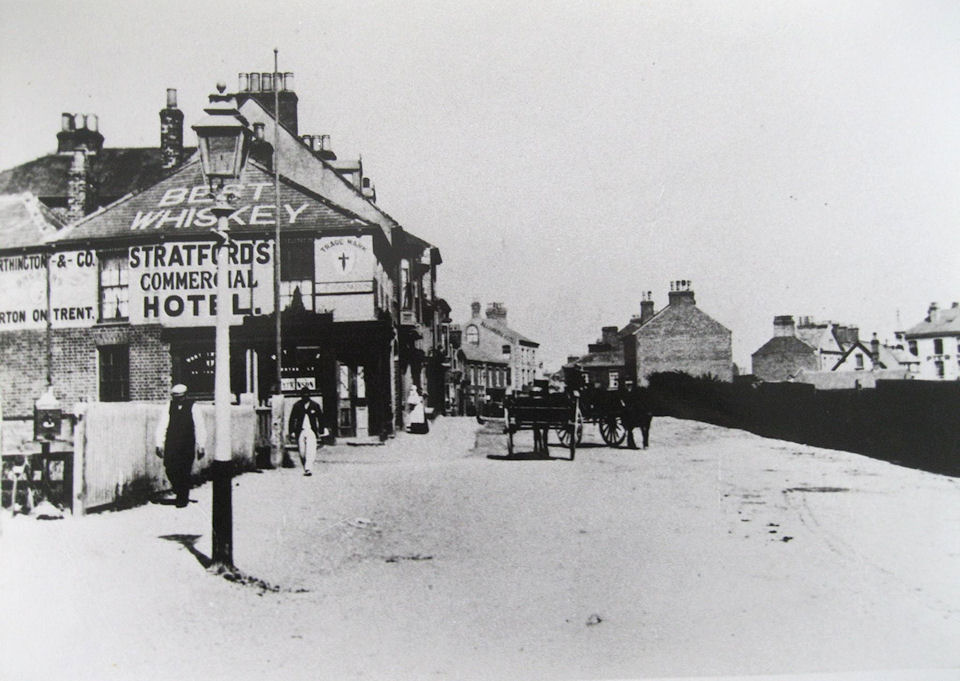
(188, 542)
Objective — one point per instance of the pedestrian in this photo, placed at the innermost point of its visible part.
(306, 427)
(418, 416)
(180, 436)
(637, 413)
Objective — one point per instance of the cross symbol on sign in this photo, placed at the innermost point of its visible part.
(343, 260)
(347, 261)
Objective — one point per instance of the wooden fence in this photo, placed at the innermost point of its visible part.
(114, 448)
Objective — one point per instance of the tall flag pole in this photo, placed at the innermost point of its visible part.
(276, 241)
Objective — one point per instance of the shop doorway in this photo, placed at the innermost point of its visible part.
(353, 418)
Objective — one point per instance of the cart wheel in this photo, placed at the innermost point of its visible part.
(612, 431)
(563, 433)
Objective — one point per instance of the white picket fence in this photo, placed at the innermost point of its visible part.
(114, 450)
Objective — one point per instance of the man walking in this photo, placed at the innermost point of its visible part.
(180, 436)
(306, 427)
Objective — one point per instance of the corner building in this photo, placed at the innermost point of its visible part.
(132, 292)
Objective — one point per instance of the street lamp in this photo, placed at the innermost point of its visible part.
(223, 139)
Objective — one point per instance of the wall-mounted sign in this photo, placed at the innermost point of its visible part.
(175, 284)
(73, 289)
(345, 258)
(298, 383)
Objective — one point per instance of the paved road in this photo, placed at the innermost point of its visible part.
(715, 552)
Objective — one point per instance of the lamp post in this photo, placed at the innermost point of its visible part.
(223, 137)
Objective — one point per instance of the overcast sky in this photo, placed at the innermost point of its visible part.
(787, 157)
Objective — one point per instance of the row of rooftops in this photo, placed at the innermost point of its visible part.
(85, 177)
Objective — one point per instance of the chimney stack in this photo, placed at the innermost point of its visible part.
(681, 292)
(368, 190)
(78, 189)
(875, 348)
(646, 307)
(784, 326)
(608, 336)
(497, 311)
(475, 308)
(261, 150)
(325, 149)
(171, 132)
(261, 87)
(933, 313)
(79, 131)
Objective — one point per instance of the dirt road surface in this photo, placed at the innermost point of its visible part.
(713, 553)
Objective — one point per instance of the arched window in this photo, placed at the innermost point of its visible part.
(473, 335)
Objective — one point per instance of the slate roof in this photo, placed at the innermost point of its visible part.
(498, 325)
(474, 353)
(783, 345)
(604, 358)
(145, 214)
(25, 221)
(947, 324)
(113, 173)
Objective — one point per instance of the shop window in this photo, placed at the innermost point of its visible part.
(114, 288)
(473, 335)
(297, 273)
(114, 373)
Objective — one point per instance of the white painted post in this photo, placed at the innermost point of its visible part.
(79, 459)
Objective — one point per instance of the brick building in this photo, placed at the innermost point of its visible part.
(494, 350)
(809, 346)
(679, 337)
(130, 305)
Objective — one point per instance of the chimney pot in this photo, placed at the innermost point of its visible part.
(93, 122)
(243, 82)
(325, 142)
(171, 98)
(288, 81)
(266, 82)
(66, 122)
(258, 131)
(366, 183)
(254, 82)
(79, 122)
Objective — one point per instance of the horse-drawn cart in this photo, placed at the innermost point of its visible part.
(541, 414)
(604, 408)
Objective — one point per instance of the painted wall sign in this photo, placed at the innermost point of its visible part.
(186, 207)
(73, 286)
(175, 284)
(345, 259)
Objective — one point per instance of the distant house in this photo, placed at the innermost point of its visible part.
(490, 358)
(680, 337)
(935, 342)
(810, 346)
